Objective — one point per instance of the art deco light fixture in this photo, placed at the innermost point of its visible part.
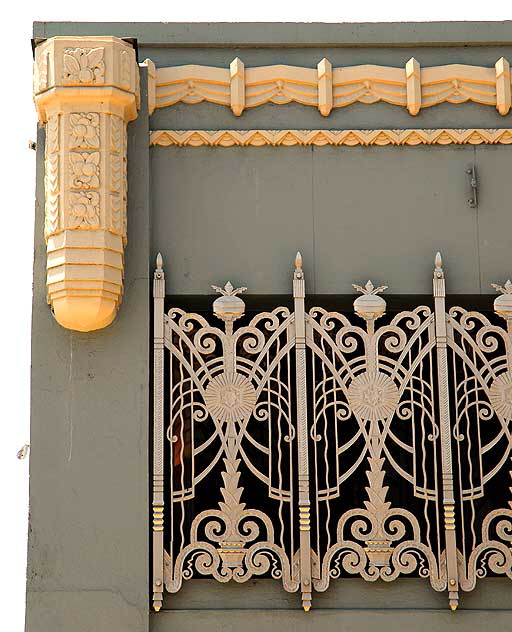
(86, 89)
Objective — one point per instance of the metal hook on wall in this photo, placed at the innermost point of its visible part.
(473, 183)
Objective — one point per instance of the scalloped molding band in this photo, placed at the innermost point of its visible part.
(326, 87)
(86, 89)
(347, 138)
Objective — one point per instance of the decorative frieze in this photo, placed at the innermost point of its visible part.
(326, 87)
(86, 90)
(321, 137)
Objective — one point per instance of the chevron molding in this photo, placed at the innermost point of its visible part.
(346, 138)
(325, 87)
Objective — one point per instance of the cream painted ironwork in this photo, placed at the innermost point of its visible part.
(308, 446)
(480, 355)
(374, 408)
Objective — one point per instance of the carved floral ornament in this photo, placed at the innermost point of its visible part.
(84, 65)
(85, 130)
(86, 90)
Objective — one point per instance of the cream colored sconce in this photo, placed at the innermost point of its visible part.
(86, 89)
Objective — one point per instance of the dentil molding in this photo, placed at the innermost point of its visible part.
(325, 87)
(86, 89)
(321, 137)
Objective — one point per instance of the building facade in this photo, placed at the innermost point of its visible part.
(232, 427)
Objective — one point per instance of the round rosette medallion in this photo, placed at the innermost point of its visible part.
(230, 397)
(500, 396)
(373, 396)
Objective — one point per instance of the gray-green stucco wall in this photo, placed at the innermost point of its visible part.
(240, 214)
(88, 554)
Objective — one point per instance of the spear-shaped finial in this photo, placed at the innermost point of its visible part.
(438, 278)
(159, 278)
(299, 289)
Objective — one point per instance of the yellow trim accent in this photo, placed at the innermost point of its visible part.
(86, 89)
(345, 138)
(326, 87)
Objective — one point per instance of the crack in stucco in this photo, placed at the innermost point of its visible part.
(70, 399)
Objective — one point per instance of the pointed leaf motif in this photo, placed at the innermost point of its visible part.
(71, 64)
(228, 289)
(231, 492)
(377, 492)
(369, 288)
(504, 289)
(94, 57)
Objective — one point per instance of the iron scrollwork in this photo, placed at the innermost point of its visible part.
(309, 446)
(374, 409)
(235, 386)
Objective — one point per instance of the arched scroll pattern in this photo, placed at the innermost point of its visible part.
(374, 425)
(309, 446)
(230, 438)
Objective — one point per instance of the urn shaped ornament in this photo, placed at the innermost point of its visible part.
(503, 302)
(370, 305)
(228, 307)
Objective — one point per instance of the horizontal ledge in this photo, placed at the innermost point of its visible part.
(290, 34)
(337, 138)
(298, 610)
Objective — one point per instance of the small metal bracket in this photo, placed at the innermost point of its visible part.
(473, 183)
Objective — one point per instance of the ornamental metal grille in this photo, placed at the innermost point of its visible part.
(311, 446)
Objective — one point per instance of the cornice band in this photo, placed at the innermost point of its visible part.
(326, 87)
(86, 89)
(319, 138)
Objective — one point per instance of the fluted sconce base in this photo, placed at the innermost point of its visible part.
(85, 278)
